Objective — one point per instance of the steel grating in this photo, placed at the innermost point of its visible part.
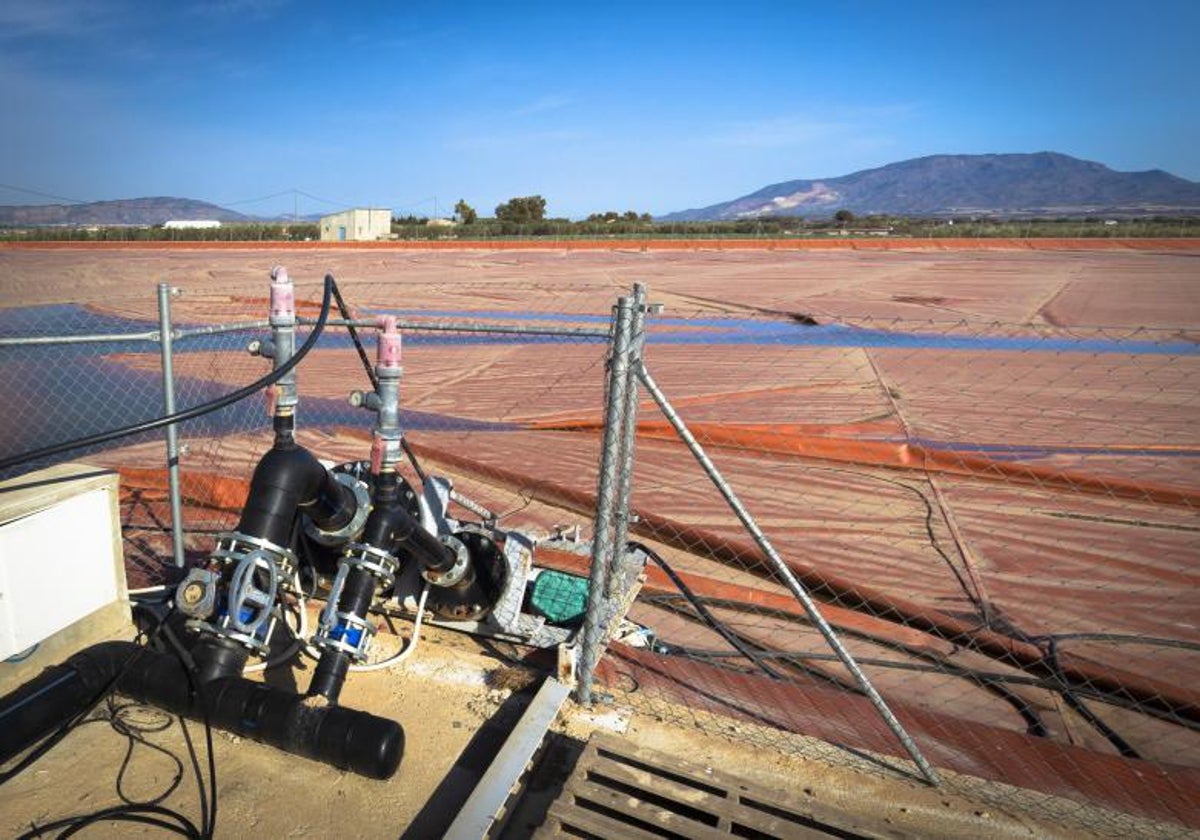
(619, 791)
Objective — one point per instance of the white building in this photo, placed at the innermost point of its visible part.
(191, 224)
(360, 224)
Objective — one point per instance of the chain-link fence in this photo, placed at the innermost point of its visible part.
(998, 522)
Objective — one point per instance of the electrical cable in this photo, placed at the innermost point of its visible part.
(407, 651)
(976, 598)
(149, 813)
(135, 731)
(1069, 696)
(703, 612)
(55, 737)
(937, 666)
(195, 411)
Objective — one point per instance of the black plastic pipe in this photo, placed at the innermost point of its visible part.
(389, 525)
(289, 479)
(348, 739)
(332, 668)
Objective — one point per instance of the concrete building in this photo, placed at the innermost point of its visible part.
(359, 224)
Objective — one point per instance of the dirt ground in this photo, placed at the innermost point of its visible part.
(457, 701)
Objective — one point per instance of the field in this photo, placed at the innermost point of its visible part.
(984, 447)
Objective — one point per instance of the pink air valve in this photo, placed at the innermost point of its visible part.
(283, 294)
(388, 351)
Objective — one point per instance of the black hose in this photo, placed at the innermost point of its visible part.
(189, 413)
(1111, 735)
(704, 614)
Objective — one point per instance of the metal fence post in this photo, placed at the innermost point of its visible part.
(601, 566)
(168, 374)
(787, 576)
(621, 514)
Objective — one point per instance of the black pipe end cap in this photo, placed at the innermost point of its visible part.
(361, 742)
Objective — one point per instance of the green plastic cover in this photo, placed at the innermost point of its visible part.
(560, 597)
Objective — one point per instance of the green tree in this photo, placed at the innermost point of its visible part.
(843, 217)
(530, 208)
(465, 212)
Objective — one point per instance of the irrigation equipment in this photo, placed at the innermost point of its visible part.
(378, 543)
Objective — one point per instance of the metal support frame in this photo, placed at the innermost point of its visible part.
(594, 625)
(787, 576)
(477, 816)
(168, 375)
(621, 515)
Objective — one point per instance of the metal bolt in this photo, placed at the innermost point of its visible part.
(192, 594)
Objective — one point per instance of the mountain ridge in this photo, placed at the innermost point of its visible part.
(126, 211)
(1034, 184)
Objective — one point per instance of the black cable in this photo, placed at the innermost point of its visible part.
(139, 812)
(119, 813)
(358, 345)
(703, 612)
(51, 740)
(1069, 696)
(135, 732)
(975, 598)
(193, 412)
(208, 809)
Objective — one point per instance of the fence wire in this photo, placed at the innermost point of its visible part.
(999, 520)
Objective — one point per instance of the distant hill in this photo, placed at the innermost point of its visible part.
(131, 211)
(1042, 184)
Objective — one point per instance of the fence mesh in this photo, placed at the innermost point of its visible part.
(999, 520)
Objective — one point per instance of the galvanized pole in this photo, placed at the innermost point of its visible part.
(621, 513)
(789, 578)
(594, 625)
(168, 373)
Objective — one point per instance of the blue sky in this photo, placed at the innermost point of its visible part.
(649, 106)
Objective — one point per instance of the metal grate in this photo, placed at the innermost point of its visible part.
(620, 791)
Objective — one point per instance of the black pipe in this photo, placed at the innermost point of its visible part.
(387, 523)
(392, 528)
(330, 674)
(216, 657)
(288, 479)
(346, 738)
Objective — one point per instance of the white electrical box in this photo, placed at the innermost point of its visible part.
(60, 554)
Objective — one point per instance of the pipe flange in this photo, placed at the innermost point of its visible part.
(233, 546)
(378, 563)
(362, 499)
(254, 643)
(462, 562)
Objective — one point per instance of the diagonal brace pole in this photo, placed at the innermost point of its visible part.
(789, 578)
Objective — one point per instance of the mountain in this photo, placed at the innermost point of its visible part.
(131, 211)
(1042, 184)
